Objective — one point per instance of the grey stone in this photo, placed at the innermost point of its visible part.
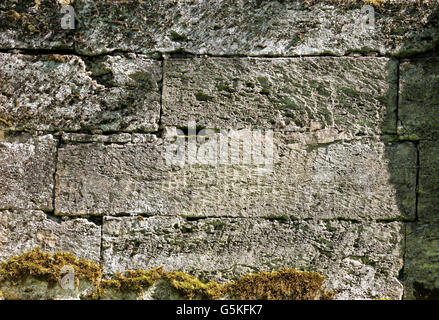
(56, 92)
(359, 260)
(27, 170)
(421, 263)
(353, 95)
(30, 24)
(358, 179)
(23, 230)
(219, 27)
(428, 198)
(419, 99)
(34, 289)
(84, 138)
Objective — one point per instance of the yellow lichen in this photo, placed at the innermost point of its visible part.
(6, 122)
(375, 2)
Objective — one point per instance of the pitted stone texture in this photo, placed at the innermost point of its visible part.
(221, 27)
(428, 198)
(23, 230)
(110, 138)
(363, 179)
(419, 98)
(421, 266)
(353, 95)
(253, 27)
(56, 92)
(359, 260)
(34, 24)
(27, 168)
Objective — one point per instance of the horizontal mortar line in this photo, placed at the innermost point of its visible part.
(59, 133)
(285, 219)
(171, 55)
(280, 218)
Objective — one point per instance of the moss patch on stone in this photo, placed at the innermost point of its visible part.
(287, 284)
(47, 267)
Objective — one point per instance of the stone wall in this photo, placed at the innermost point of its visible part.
(89, 118)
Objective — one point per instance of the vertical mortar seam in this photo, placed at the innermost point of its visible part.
(58, 143)
(161, 93)
(398, 65)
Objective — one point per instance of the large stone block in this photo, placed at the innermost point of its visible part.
(219, 27)
(421, 263)
(428, 198)
(353, 95)
(359, 260)
(57, 92)
(27, 168)
(23, 230)
(359, 179)
(418, 111)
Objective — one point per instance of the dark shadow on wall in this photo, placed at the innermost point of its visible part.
(412, 150)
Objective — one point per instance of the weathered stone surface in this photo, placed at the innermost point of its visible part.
(421, 266)
(362, 179)
(359, 260)
(23, 230)
(56, 92)
(428, 198)
(35, 289)
(353, 95)
(111, 138)
(219, 27)
(33, 24)
(419, 99)
(27, 172)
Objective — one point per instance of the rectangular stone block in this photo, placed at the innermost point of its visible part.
(358, 179)
(358, 259)
(59, 92)
(27, 168)
(353, 95)
(428, 198)
(23, 230)
(419, 99)
(221, 27)
(421, 263)
(252, 27)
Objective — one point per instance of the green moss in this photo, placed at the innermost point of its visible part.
(138, 280)
(175, 36)
(276, 285)
(285, 284)
(264, 82)
(190, 287)
(265, 91)
(201, 96)
(47, 267)
(223, 87)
